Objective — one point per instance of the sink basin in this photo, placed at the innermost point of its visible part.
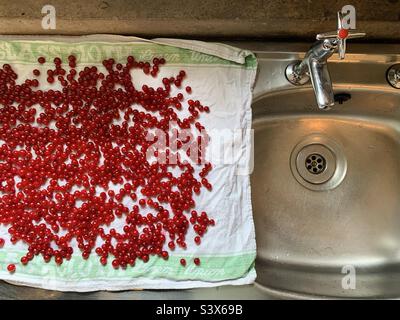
(326, 184)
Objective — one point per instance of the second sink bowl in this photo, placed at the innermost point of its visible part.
(326, 193)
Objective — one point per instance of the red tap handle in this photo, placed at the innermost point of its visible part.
(343, 33)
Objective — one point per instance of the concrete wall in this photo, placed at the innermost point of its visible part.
(201, 18)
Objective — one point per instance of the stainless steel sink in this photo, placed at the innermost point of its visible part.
(326, 184)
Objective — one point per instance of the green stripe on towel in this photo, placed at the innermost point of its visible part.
(212, 268)
(20, 51)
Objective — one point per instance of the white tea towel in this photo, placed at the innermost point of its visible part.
(221, 77)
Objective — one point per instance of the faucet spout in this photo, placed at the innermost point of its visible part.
(321, 82)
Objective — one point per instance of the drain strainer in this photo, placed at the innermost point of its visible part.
(318, 163)
(315, 163)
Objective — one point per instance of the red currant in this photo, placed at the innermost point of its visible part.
(11, 268)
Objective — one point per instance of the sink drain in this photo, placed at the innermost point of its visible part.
(318, 163)
(315, 163)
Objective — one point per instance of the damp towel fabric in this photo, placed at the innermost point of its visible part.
(220, 76)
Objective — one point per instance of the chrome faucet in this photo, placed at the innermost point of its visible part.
(314, 64)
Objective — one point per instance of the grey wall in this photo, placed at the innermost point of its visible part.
(200, 18)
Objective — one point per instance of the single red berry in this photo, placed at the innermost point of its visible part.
(188, 89)
(183, 262)
(59, 260)
(36, 72)
(103, 261)
(196, 261)
(197, 240)
(115, 264)
(171, 245)
(164, 254)
(11, 268)
(2, 242)
(111, 193)
(41, 60)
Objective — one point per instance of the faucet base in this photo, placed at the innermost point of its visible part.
(294, 77)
